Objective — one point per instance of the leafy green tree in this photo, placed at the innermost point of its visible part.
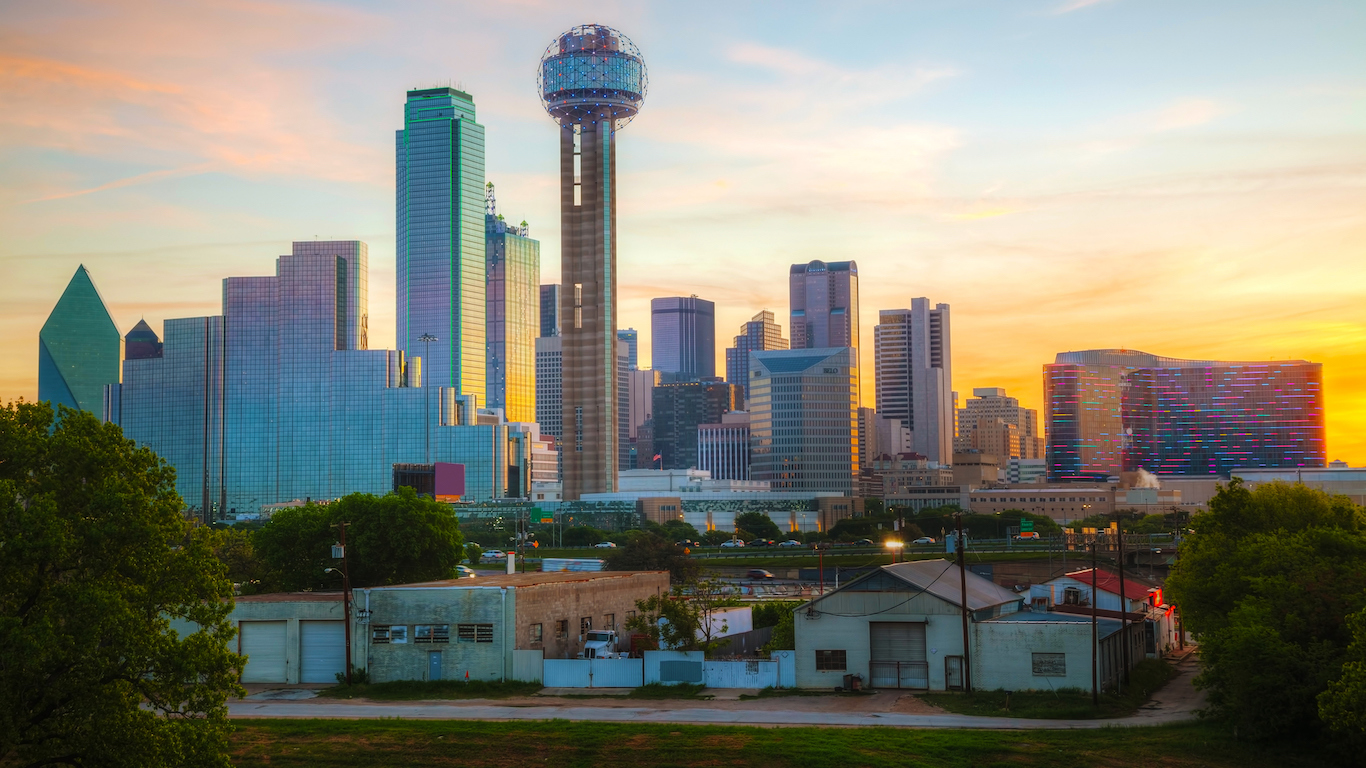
(715, 537)
(399, 538)
(760, 524)
(873, 506)
(689, 616)
(1267, 580)
(96, 560)
(1343, 706)
(648, 552)
(233, 548)
(676, 530)
(784, 636)
(473, 553)
(583, 536)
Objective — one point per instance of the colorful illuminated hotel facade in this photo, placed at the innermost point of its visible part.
(1112, 410)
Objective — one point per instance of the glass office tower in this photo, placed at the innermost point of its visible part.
(440, 237)
(683, 336)
(550, 310)
(803, 419)
(760, 334)
(78, 348)
(277, 401)
(512, 319)
(913, 375)
(1113, 410)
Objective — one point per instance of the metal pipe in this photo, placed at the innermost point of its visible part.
(963, 587)
(1095, 633)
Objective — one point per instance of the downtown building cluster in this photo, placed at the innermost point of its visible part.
(539, 395)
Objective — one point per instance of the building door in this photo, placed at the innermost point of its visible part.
(897, 654)
(434, 665)
(263, 643)
(953, 672)
(322, 651)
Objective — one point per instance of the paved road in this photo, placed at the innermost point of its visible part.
(1175, 703)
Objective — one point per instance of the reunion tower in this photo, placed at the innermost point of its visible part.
(592, 81)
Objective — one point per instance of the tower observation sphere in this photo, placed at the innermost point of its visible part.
(589, 71)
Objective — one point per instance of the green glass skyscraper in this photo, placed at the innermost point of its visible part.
(78, 348)
(440, 233)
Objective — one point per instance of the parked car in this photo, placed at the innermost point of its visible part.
(924, 540)
(604, 545)
(761, 543)
(493, 556)
(464, 572)
(790, 543)
(759, 573)
(733, 543)
(687, 543)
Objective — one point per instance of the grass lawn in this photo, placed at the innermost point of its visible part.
(1068, 704)
(327, 743)
(417, 690)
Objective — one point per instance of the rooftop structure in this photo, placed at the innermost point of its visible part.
(78, 348)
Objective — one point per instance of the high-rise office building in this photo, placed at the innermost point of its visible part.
(760, 334)
(141, 343)
(824, 304)
(803, 419)
(1114, 410)
(550, 310)
(913, 375)
(683, 337)
(550, 395)
(78, 348)
(678, 410)
(440, 243)
(512, 320)
(990, 422)
(880, 436)
(592, 81)
(723, 448)
(631, 339)
(642, 398)
(278, 399)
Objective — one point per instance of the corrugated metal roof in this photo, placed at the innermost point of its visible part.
(520, 579)
(1109, 582)
(1104, 627)
(940, 578)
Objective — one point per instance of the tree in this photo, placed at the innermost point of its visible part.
(399, 538)
(233, 548)
(473, 553)
(648, 552)
(583, 536)
(715, 537)
(686, 618)
(1342, 707)
(96, 560)
(676, 530)
(1267, 580)
(759, 523)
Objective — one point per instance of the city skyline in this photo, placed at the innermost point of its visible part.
(1154, 207)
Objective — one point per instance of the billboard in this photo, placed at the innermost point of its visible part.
(450, 481)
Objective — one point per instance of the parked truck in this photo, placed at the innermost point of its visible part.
(601, 644)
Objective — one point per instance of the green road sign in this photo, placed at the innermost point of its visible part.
(1026, 526)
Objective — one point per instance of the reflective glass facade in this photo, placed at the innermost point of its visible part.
(440, 237)
(760, 334)
(803, 413)
(513, 319)
(913, 375)
(1118, 410)
(278, 400)
(78, 348)
(683, 336)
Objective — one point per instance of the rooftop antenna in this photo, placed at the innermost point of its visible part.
(490, 202)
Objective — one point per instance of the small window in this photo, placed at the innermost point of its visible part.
(830, 661)
(464, 633)
(483, 633)
(422, 633)
(561, 629)
(398, 635)
(379, 635)
(1050, 664)
(441, 633)
(630, 615)
(1071, 596)
(609, 621)
(535, 634)
(585, 625)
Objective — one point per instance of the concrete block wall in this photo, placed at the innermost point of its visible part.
(607, 597)
(1005, 649)
(411, 606)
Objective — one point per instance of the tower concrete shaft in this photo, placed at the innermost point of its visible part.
(588, 319)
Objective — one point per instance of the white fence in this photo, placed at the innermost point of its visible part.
(669, 668)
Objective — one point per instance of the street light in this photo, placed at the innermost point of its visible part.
(427, 339)
(895, 547)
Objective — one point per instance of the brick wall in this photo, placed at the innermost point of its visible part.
(602, 598)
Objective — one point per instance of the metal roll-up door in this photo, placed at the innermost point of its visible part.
(263, 643)
(323, 651)
(897, 654)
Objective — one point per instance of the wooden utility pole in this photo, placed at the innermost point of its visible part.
(1095, 633)
(1123, 604)
(963, 588)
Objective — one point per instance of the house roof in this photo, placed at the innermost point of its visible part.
(1109, 582)
(1104, 627)
(940, 578)
(291, 597)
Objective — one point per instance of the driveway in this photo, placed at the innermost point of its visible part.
(1176, 702)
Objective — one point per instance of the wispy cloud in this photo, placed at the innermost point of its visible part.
(1076, 5)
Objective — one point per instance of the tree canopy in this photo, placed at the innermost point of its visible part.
(686, 618)
(760, 524)
(399, 538)
(1268, 579)
(651, 552)
(96, 560)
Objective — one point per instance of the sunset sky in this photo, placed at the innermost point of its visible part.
(1186, 179)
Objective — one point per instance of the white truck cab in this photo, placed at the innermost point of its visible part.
(601, 644)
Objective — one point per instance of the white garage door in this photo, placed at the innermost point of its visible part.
(324, 651)
(263, 643)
